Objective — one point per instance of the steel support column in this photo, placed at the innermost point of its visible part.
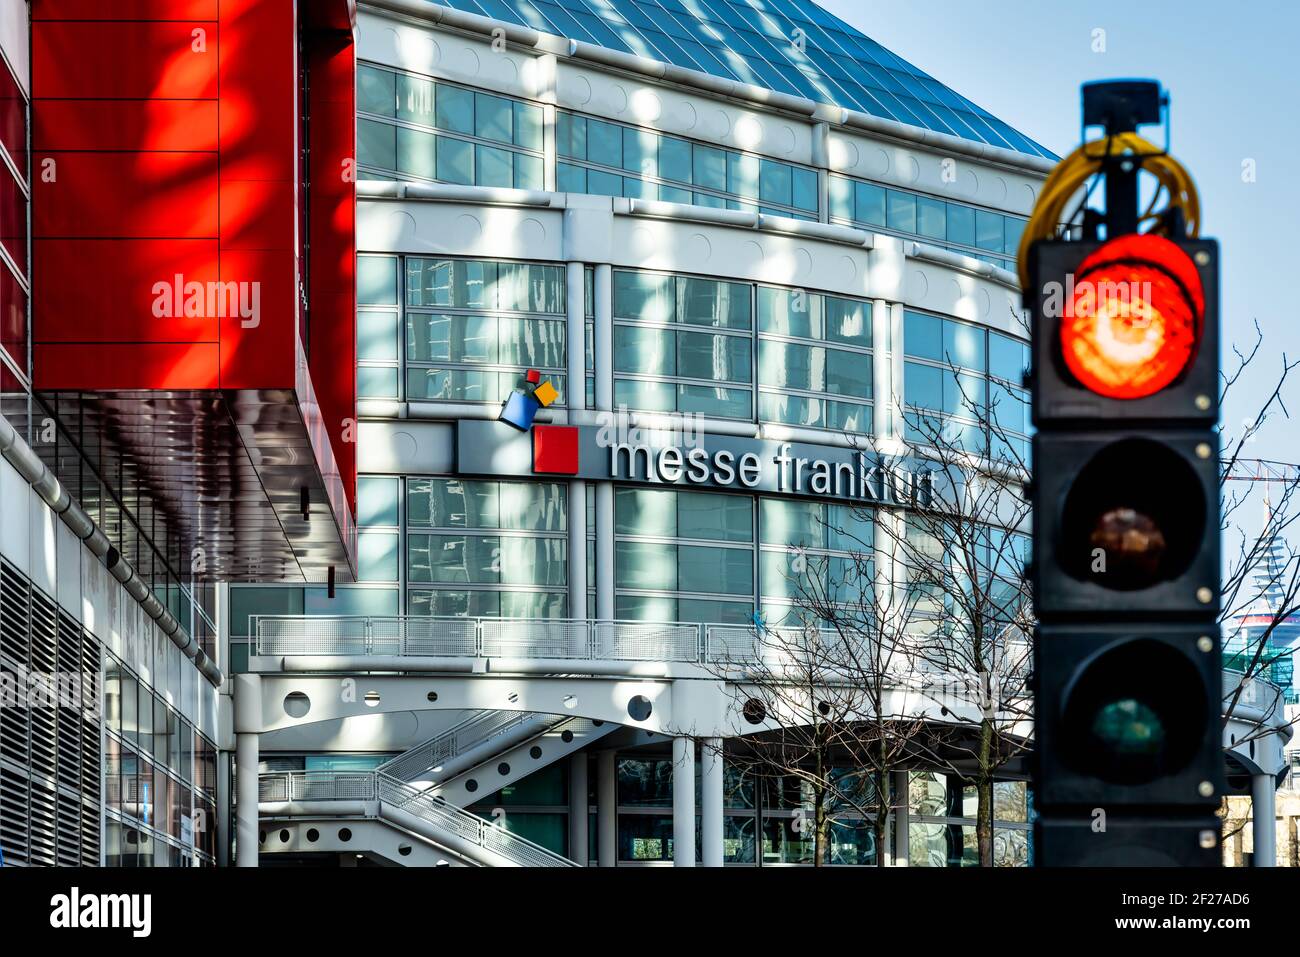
(248, 715)
(606, 809)
(683, 802)
(711, 820)
(1263, 789)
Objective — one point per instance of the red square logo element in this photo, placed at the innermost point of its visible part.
(555, 449)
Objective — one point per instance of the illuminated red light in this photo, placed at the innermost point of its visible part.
(1133, 322)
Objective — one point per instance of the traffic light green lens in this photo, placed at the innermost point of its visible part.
(1130, 729)
(1134, 712)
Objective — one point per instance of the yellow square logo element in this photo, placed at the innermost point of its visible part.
(545, 393)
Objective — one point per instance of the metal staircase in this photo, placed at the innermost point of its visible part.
(454, 749)
(422, 792)
(490, 750)
(464, 784)
(374, 795)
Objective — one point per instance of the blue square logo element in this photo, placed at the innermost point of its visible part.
(519, 411)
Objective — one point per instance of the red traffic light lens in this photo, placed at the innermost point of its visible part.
(1133, 321)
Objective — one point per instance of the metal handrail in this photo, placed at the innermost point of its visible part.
(463, 637)
(442, 747)
(575, 639)
(286, 786)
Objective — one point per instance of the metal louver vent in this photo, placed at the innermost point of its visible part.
(44, 660)
(14, 800)
(50, 791)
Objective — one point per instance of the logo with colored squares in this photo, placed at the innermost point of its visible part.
(555, 447)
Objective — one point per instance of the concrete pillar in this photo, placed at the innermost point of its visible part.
(222, 823)
(577, 549)
(900, 853)
(248, 721)
(895, 396)
(602, 360)
(606, 809)
(882, 368)
(683, 802)
(575, 335)
(711, 794)
(578, 809)
(1264, 819)
(605, 607)
(602, 344)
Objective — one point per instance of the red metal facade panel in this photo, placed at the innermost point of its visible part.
(168, 217)
(129, 285)
(139, 60)
(128, 365)
(137, 195)
(177, 131)
(125, 10)
(331, 68)
(257, 352)
(131, 125)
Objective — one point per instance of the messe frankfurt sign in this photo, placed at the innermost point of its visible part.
(642, 456)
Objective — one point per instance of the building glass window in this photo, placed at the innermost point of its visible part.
(984, 234)
(412, 127)
(815, 365)
(612, 159)
(160, 779)
(958, 379)
(662, 366)
(478, 548)
(813, 358)
(683, 556)
(456, 329)
(943, 810)
(814, 552)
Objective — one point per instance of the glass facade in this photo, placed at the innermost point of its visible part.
(160, 777)
(983, 233)
(696, 557)
(613, 159)
(457, 329)
(767, 817)
(486, 548)
(446, 329)
(411, 127)
(691, 345)
(942, 824)
(957, 379)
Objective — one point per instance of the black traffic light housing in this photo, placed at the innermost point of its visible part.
(1131, 712)
(1128, 751)
(1117, 839)
(1171, 477)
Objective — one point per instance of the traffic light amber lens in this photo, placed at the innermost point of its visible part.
(1133, 321)
(1131, 540)
(1134, 517)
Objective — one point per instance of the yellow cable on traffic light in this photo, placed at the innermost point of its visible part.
(1072, 172)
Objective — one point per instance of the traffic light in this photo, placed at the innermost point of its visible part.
(1125, 495)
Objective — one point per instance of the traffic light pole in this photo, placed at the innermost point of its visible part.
(1120, 107)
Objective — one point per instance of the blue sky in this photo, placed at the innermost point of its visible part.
(1234, 80)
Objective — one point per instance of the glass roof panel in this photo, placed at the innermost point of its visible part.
(789, 46)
